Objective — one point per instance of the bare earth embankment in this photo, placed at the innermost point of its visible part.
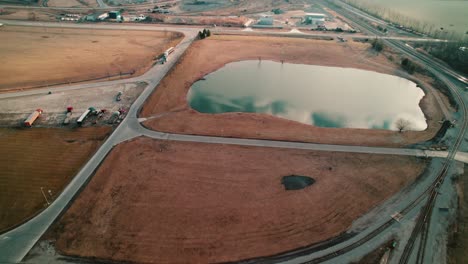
(40, 157)
(156, 201)
(169, 111)
(458, 242)
(34, 56)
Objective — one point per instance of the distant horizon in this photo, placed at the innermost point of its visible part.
(453, 12)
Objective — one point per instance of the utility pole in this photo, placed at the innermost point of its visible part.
(45, 197)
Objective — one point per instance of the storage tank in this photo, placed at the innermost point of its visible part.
(32, 117)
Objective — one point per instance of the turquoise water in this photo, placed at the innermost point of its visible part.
(315, 95)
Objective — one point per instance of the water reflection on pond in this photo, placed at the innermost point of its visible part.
(316, 95)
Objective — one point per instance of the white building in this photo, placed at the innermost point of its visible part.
(314, 18)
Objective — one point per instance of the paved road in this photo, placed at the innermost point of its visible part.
(432, 63)
(102, 4)
(153, 76)
(15, 244)
(455, 82)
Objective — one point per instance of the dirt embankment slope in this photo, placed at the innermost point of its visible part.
(169, 111)
(457, 247)
(156, 201)
(33, 56)
(40, 157)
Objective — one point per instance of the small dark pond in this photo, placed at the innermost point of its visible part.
(296, 182)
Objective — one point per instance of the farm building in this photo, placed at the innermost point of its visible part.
(98, 16)
(114, 15)
(265, 21)
(314, 18)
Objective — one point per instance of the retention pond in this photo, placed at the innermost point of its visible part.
(315, 95)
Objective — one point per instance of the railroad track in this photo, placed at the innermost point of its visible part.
(430, 193)
(422, 226)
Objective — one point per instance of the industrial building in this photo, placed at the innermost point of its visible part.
(98, 16)
(265, 21)
(314, 18)
(115, 15)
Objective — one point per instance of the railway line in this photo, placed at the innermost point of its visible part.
(422, 225)
(423, 222)
(421, 57)
(430, 194)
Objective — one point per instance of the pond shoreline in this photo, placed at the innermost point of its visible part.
(171, 113)
(304, 93)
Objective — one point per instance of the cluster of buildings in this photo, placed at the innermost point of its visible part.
(312, 19)
(100, 16)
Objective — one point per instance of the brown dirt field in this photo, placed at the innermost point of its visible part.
(155, 201)
(40, 157)
(34, 56)
(204, 20)
(171, 113)
(64, 3)
(23, 14)
(240, 7)
(72, 3)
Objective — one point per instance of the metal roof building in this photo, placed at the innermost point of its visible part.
(314, 18)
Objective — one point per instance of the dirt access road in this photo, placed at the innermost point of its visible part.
(40, 157)
(174, 202)
(34, 56)
(168, 110)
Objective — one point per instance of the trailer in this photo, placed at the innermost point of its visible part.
(68, 116)
(32, 117)
(168, 52)
(83, 117)
(140, 18)
(103, 16)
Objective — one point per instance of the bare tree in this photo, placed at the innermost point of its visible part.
(32, 16)
(402, 124)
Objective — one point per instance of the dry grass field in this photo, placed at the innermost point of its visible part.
(40, 157)
(72, 3)
(154, 201)
(169, 111)
(33, 56)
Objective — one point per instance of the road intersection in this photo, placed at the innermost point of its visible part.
(15, 244)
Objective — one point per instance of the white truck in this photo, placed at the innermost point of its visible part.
(140, 18)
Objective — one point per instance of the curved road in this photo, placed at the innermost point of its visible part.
(15, 244)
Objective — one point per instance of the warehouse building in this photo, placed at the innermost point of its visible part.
(314, 18)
